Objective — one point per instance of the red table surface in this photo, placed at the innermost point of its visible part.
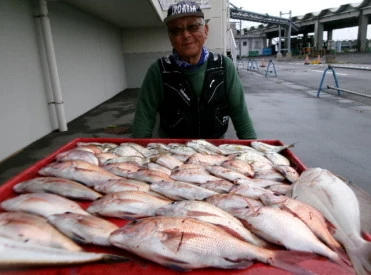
(318, 264)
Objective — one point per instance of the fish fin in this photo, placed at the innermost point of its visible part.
(360, 257)
(78, 238)
(239, 263)
(288, 260)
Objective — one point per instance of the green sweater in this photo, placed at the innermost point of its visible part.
(151, 94)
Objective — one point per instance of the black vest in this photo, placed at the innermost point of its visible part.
(182, 113)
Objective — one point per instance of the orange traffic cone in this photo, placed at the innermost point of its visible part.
(307, 62)
(262, 63)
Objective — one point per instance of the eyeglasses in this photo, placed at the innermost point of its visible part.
(189, 28)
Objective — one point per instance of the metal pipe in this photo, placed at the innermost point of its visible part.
(52, 63)
(347, 91)
(353, 68)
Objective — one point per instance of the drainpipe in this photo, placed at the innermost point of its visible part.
(52, 63)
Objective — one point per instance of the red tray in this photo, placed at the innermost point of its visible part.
(319, 265)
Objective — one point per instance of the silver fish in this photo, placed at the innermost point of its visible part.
(78, 170)
(277, 158)
(219, 186)
(122, 168)
(283, 228)
(181, 149)
(210, 213)
(232, 201)
(229, 149)
(42, 204)
(127, 205)
(186, 243)
(193, 176)
(148, 175)
(168, 161)
(225, 173)
(140, 160)
(78, 154)
(267, 148)
(204, 146)
(239, 166)
(19, 254)
(125, 150)
(251, 156)
(283, 189)
(249, 190)
(288, 172)
(329, 194)
(84, 229)
(157, 167)
(119, 185)
(103, 146)
(60, 186)
(309, 215)
(33, 229)
(177, 190)
(206, 159)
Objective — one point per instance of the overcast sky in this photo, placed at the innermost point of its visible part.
(274, 7)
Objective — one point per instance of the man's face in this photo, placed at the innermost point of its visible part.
(187, 36)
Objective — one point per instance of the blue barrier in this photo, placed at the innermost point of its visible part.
(274, 68)
(330, 68)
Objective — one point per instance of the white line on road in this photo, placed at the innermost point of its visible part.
(323, 71)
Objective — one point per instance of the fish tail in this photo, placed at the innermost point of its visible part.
(289, 260)
(361, 258)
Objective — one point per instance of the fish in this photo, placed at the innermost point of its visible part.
(140, 160)
(204, 146)
(229, 149)
(59, 186)
(84, 229)
(240, 166)
(21, 254)
(168, 161)
(309, 215)
(146, 152)
(127, 205)
(42, 204)
(78, 170)
(34, 229)
(273, 174)
(225, 173)
(219, 186)
(268, 148)
(186, 244)
(126, 150)
(263, 183)
(329, 194)
(78, 154)
(283, 189)
(251, 157)
(283, 228)
(148, 175)
(104, 147)
(181, 149)
(157, 167)
(205, 159)
(249, 190)
(122, 168)
(103, 157)
(210, 213)
(232, 201)
(193, 176)
(118, 185)
(277, 158)
(288, 172)
(177, 190)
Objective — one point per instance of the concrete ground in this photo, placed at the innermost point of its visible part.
(326, 134)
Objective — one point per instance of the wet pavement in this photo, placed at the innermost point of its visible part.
(326, 133)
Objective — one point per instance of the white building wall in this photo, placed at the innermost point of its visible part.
(90, 63)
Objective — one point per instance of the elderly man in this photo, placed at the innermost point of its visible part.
(194, 91)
